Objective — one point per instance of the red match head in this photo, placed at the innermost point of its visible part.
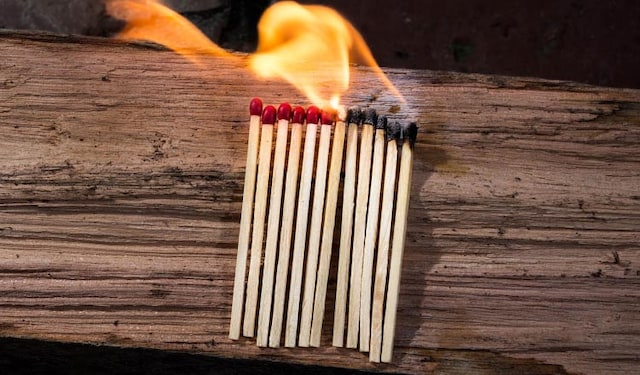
(255, 107)
(328, 117)
(298, 115)
(269, 115)
(284, 111)
(313, 115)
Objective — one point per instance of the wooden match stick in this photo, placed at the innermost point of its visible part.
(354, 117)
(328, 226)
(273, 225)
(359, 224)
(315, 230)
(300, 237)
(288, 210)
(408, 136)
(255, 111)
(384, 238)
(371, 232)
(259, 213)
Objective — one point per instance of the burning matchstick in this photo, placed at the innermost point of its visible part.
(377, 167)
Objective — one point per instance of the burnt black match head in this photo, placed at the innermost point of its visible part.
(382, 122)
(354, 115)
(255, 107)
(412, 133)
(370, 116)
(393, 132)
(408, 132)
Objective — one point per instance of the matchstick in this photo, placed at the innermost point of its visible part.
(255, 111)
(362, 197)
(273, 226)
(313, 248)
(259, 213)
(384, 238)
(300, 237)
(328, 226)
(354, 117)
(371, 232)
(408, 136)
(288, 210)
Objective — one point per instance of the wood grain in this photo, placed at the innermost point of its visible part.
(121, 170)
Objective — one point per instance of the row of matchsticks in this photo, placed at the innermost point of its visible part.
(376, 162)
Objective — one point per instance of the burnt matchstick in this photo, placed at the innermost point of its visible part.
(255, 111)
(371, 231)
(384, 238)
(354, 116)
(359, 224)
(315, 230)
(300, 237)
(288, 210)
(273, 226)
(262, 187)
(408, 137)
(327, 231)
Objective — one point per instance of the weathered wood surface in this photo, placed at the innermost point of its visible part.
(120, 190)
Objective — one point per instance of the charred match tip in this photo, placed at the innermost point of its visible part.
(255, 107)
(284, 111)
(313, 115)
(329, 117)
(382, 122)
(393, 132)
(298, 115)
(370, 116)
(269, 115)
(354, 115)
(408, 132)
(411, 133)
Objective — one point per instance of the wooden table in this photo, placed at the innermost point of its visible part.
(121, 171)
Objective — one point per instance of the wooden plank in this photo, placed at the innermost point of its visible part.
(121, 172)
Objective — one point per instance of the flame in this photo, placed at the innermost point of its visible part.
(309, 46)
(150, 20)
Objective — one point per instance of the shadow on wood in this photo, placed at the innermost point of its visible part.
(27, 356)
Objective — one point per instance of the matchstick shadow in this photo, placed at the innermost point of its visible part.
(421, 251)
(420, 255)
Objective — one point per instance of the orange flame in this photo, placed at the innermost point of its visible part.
(150, 20)
(309, 46)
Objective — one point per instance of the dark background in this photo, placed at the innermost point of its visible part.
(596, 42)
